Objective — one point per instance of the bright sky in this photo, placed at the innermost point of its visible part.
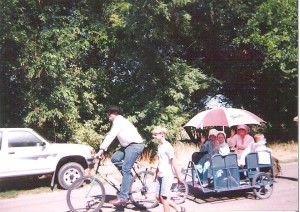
(216, 102)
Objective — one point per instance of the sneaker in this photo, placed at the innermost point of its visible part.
(118, 202)
(211, 182)
(205, 185)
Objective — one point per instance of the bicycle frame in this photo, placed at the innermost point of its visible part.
(141, 193)
(99, 164)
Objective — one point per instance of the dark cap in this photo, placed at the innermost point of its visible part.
(113, 108)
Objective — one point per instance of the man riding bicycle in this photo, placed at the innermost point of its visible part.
(131, 148)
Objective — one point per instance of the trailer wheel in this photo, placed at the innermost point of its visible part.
(263, 185)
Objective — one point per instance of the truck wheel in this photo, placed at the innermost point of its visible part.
(68, 173)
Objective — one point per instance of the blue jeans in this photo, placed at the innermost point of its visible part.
(129, 155)
(203, 168)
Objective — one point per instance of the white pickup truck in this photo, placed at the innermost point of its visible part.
(23, 152)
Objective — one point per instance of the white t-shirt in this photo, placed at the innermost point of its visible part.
(259, 146)
(224, 149)
(124, 130)
(165, 154)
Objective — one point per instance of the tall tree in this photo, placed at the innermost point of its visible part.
(76, 57)
(62, 62)
(269, 41)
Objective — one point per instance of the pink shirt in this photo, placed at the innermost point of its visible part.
(240, 143)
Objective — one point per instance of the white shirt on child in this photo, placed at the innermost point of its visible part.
(165, 154)
(224, 149)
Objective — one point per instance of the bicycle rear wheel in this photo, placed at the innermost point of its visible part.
(142, 190)
(86, 194)
(179, 192)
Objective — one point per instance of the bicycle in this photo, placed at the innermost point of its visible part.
(88, 192)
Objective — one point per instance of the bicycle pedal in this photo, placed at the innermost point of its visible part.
(120, 205)
(174, 185)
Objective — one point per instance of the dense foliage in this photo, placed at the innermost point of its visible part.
(63, 61)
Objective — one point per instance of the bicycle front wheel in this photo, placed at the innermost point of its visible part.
(142, 190)
(86, 194)
(179, 192)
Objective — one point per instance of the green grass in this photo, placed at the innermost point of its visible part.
(8, 194)
(12, 187)
(285, 152)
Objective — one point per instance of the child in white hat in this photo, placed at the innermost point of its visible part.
(260, 144)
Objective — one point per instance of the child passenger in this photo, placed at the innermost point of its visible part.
(260, 144)
(220, 147)
(164, 173)
(223, 146)
(260, 147)
(206, 147)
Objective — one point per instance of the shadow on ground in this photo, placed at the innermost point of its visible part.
(110, 207)
(24, 183)
(198, 196)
